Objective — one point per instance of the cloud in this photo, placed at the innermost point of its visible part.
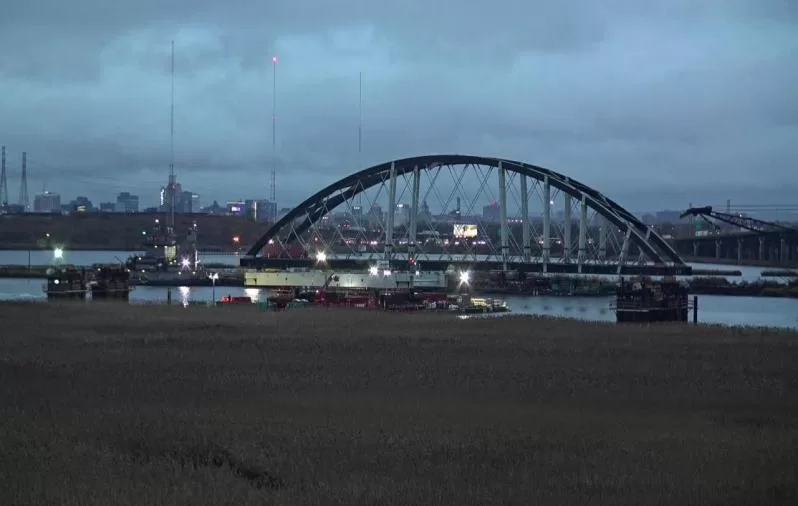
(623, 95)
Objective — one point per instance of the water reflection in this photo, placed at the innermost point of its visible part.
(81, 257)
(185, 295)
(764, 311)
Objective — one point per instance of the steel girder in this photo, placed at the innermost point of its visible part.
(326, 199)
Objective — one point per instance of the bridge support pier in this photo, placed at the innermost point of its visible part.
(582, 251)
(761, 255)
(391, 214)
(414, 212)
(783, 252)
(525, 220)
(717, 249)
(503, 214)
(546, 223)
(739, 251)
(567, 246)
(695, 248)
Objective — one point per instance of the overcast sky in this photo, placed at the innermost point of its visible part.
(655, 103)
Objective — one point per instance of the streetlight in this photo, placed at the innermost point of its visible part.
(213, 277)
(321, 257)
(58, 253)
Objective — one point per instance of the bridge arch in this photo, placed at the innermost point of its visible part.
(304, 216)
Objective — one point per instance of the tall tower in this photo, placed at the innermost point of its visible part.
(273, 185)
(3, 179)
(172, 179)
(23, 187)
(359, 130)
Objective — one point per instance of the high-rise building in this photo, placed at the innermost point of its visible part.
(170, 193)
(187, 202)
(374, 217)
(401, 215)
(196, 204)
(266, 211)
(127, 203)
(47, 202)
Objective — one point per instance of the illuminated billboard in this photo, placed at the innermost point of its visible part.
(462, 231)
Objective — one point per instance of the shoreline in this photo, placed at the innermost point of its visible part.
(696, 287)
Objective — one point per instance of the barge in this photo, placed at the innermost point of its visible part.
(649, 302)
(109, 282)
(66, 282)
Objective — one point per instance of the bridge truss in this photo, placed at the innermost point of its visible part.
(431, 211)
(739, 220)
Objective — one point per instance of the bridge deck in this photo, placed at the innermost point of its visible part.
(473, 262)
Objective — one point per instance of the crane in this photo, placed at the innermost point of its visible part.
(737, 220)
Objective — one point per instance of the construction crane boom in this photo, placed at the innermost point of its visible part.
(738, 220)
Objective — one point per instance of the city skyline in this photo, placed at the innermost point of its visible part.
(656, 107)
(127, 202)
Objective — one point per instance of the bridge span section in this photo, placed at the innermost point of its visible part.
(444, 212)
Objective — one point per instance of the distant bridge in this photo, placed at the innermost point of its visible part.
(486, 214)
(748, 241)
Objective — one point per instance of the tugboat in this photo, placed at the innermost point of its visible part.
(161, 250)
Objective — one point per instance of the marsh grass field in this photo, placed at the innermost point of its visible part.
(156, 405)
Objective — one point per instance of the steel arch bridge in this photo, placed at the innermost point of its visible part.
(525, 223)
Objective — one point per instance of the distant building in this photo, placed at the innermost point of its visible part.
(188, 202)
(196, 204)
(356, 215)
(424, 216)
(374, 217)
(236, 208)
(214, 208)
(81, 205)
(108, 207)
(401, 216)
(261, 210)
(491, 213)
(170, 194)
(47, 202)
(126, 203)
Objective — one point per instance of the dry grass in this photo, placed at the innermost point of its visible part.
(112, 405)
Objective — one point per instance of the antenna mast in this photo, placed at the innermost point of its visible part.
(273, 188)
(23, 187)
(172, 186)
(3, 180)
(360, 117)
(359, 132)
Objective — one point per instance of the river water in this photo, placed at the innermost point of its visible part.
(726, 310)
